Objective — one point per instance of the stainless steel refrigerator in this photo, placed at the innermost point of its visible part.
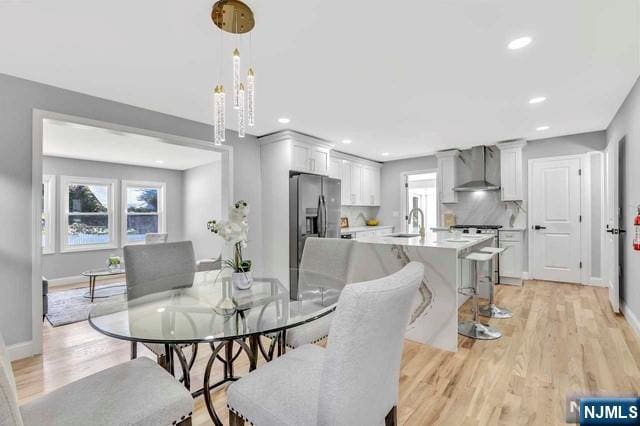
(314, 211)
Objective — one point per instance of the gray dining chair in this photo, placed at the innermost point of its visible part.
(325, 266)
(155, 268)
(137, 392)
(354, 381)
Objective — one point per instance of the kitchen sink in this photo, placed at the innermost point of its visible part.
(403, 235)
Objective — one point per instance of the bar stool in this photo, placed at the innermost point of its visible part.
(491, 310)
(474, 328)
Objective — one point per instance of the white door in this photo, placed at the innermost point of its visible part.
(356, 184)
(555, 226)
(367, 186)
(347, 198)
(612, 266)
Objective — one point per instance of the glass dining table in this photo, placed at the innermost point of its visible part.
(206, 308)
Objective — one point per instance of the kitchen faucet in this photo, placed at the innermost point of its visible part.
(422, 231)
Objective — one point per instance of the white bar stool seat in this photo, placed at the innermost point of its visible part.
(491, 310)
(474, 328)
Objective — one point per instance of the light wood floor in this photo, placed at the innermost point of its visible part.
(563, 338)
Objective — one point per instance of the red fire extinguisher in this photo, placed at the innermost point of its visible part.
(636, 225)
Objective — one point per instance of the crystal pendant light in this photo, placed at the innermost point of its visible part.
(219, 115)
(251, 97)
(236, 78)
(241, 125)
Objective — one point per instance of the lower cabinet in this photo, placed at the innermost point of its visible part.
(511, 259)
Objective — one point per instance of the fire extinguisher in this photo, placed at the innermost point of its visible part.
(636, 225)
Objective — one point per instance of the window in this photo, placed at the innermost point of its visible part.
(143, 204)
(48, 214)
(88, 222)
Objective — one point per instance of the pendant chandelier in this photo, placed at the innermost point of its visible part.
(235, 17)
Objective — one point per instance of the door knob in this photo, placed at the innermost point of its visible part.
(538, 227)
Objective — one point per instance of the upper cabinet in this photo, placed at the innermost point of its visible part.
(310, 158)
(360, 180)
(297, 152)
(447, 170)
(511, 186)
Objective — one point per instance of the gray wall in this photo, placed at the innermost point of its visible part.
(626, 124)
(201, 203)
(19, 98)
(489, 207)
(58, 265)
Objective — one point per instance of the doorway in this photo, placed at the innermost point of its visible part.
(99, 186)
(419, 191)
(614, 266)
(556, 218)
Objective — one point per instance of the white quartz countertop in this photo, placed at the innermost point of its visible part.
(363, 228)
(432, 239)
(514, 229)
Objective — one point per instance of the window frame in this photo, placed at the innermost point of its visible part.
(161, 213)
(65, 181)
(49, 208)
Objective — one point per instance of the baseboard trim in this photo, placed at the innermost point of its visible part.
(597, 282)
(525, 275)
(20, 350)
(56, 282)
(631, 318)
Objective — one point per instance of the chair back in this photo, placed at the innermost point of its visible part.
(9, 411)
(155, 238)
(361, 370)
(158, 267)
(325, 263)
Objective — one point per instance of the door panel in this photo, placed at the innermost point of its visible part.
(356, 184)
(320, 157)
(300, 157)
(612, 265)
(556, 210)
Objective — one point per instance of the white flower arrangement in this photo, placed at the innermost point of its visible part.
(235, 232)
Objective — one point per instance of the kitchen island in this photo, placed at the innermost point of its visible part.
(434, 316)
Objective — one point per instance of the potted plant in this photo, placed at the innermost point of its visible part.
(234, 231)
(114, 262)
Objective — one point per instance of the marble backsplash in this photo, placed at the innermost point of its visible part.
(486, 208)
(358, 215)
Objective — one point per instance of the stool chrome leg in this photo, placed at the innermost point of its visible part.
(474, 328)
(491, 310)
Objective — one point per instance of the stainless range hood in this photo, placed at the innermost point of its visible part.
(478, 173)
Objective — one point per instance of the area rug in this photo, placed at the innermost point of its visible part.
(69, 306)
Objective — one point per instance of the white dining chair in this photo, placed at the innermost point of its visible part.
(354, 381)
(155, 268)
(137, 392)
(325, 266)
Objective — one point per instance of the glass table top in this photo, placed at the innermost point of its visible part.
(104, 272)
(205, 307)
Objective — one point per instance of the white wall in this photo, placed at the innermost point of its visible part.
(59, 265)
(626, 124)
(18, 100)
(202, 201)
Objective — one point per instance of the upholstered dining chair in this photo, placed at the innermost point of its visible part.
(325, 265)
(137, 392)
(354, 381)
(158, 267)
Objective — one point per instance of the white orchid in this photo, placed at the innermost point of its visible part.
(235, 231)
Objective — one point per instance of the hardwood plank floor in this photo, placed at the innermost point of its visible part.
(562, 339)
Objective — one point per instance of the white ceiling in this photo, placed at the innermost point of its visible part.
(70, 140)
(406, 80)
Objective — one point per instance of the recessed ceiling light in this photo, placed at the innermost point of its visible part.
(346, 141)
(159, 162)
(284, 120)
(537, 99)
(385, 154)
(519, 43)
(542, 128)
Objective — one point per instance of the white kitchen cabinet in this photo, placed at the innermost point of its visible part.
(309, 158)
(511, 259)
(447, 169)
(335, 169)
(511, 170)
(347, 198)
(370, 186)
(356, 184)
